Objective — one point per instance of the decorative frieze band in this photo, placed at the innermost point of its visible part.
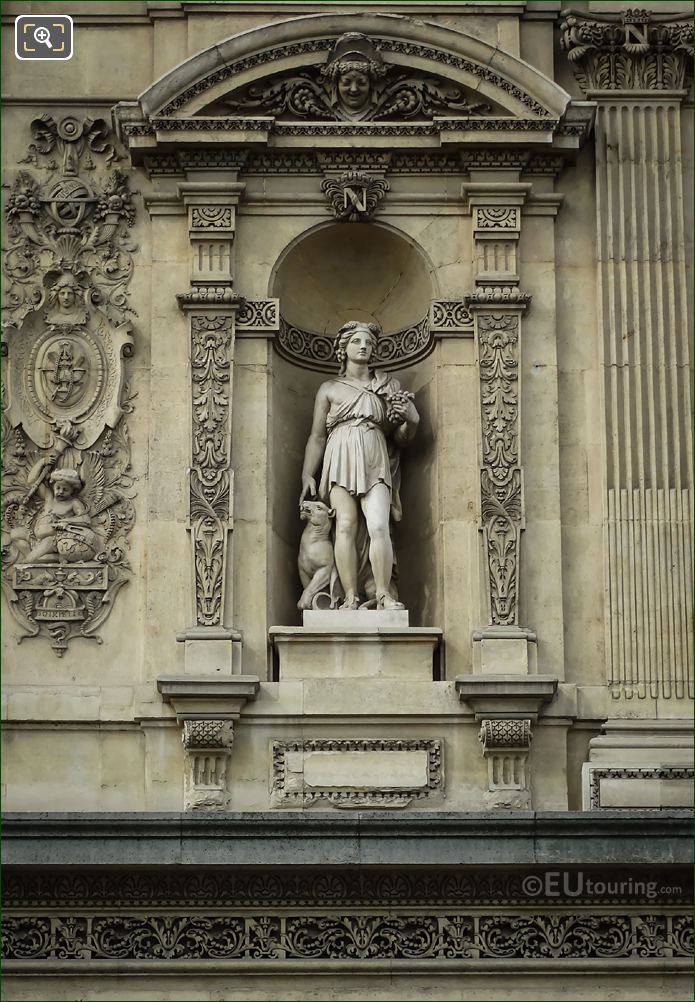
(316, 351)
(264, 937)
(634, 64)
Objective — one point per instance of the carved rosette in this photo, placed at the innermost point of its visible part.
(211, 475)
(208, 746)
(506, 744)
(67, 484)
(631, 50)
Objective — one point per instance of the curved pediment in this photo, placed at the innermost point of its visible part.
(398, 68)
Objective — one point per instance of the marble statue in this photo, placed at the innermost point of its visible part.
(361, 420)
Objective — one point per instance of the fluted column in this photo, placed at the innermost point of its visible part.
(633, 65)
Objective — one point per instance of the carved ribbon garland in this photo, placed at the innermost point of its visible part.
(210, 483)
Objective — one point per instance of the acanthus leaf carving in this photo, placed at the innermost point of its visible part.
(355, 84)
(210, 478)
(630, 50)
(266, 936)
(500, 476)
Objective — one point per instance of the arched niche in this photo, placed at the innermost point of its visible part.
(324, 277)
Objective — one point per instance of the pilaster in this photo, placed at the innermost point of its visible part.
(633, 65)
(211, 305)
(497, 306)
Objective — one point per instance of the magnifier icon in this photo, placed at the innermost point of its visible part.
(43, 36)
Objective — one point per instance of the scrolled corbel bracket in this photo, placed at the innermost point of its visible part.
(207, 707)
(506, 706)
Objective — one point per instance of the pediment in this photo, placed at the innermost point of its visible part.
(362, 79)
(327, 76)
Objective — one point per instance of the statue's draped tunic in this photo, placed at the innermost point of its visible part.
(357, 454)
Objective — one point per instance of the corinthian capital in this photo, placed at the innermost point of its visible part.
(629, 50)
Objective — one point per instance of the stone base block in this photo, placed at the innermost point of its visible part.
(382, 652)
(504, 650)
(211, 651)
(355, 619)
(639, 764)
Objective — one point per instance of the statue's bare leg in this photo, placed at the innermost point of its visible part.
(376, 505)
(345, 548)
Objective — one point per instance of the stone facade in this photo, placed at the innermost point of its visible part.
(195, 204)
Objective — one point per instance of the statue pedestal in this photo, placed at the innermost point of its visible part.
(364, 644)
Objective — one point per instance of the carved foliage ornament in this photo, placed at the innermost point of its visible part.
(354, 85)
(382, 46)
(67, 485)
(317, 351)
(265, 936)
(500, 478)
(210, 479)
(635, 49)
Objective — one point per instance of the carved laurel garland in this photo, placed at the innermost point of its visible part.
(412, 936)
(210, 479)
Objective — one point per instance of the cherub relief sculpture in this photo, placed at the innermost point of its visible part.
(354, 85)
(63, 530)
(361, 421)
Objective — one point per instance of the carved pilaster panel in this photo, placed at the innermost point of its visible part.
(497, 335)
(67, 482)
(211, 475)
